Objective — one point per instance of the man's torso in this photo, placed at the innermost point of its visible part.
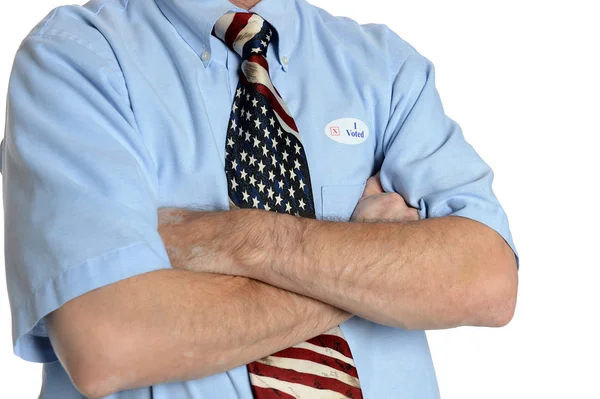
(338, 88)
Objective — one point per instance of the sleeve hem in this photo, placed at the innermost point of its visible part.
(108, 268)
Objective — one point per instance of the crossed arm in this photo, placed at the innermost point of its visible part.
(305, 275)
(299, 277)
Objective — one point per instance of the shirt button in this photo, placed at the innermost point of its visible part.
(205, 56)
(285, 60)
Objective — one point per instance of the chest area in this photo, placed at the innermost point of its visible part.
(339, 117)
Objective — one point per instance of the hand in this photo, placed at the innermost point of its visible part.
(377, 205)
(193, 240)
(222, 242)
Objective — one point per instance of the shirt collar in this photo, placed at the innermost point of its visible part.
(194, 20)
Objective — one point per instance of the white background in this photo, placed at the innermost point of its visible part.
(522, 77)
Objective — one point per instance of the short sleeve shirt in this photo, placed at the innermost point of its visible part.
(118, 108)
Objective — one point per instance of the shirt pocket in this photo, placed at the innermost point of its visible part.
(338, 201)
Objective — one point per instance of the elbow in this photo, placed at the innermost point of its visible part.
(498, 290)
(503, 310)
(89, 385)
(91, 357)
(94, 377)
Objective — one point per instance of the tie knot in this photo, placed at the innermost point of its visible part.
(245, 33)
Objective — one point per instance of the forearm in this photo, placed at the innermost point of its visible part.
(174, 325)
(427, 274)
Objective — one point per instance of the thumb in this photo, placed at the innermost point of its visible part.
(373, 186)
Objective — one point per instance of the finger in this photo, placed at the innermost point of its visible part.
(377, 178)
(373, 186)
(413, 214)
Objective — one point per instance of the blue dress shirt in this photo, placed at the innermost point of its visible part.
(117, 108)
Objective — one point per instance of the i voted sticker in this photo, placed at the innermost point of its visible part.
(347, 131)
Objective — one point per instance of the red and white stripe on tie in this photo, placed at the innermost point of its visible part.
(236, 30)
(321, 367)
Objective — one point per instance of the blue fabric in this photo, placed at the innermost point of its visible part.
(113, 111)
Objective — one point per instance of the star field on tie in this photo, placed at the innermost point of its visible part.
(265, 163)
(266, 168)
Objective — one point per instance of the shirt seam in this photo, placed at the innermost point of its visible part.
(48, 20)
(106, 61)
(70, 39)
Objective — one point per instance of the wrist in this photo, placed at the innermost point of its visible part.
(283, 249)
(269, 242)
(201, 241)
(173, 227)
(251, 244)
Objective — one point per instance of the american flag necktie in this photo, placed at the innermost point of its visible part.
(266, 168)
